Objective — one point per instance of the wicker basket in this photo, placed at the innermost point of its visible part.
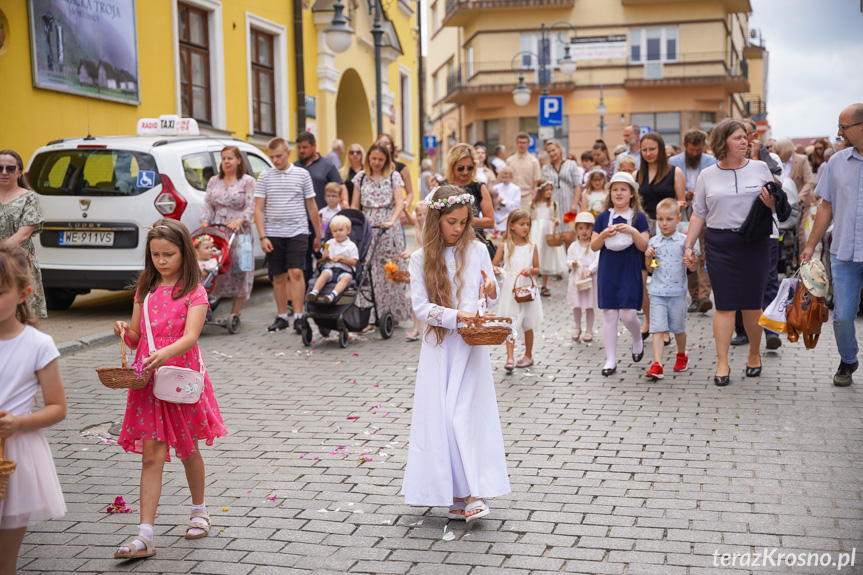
(525, 294)
(120, 377)
(7, 467)
(401, 276)
(476, 332)
(558, 239)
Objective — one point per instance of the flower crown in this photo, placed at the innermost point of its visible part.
(202, 238)
(447, 202)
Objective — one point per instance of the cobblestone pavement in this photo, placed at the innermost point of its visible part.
(614, 475)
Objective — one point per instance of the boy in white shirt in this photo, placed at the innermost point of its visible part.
(507, 198)
(340, 257)
(333, 196)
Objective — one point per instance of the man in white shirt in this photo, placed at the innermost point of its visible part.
(499, 159)
(284, 204)
(335, 156)
(526, 172)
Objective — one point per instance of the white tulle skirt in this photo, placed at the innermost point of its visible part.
(33, 493)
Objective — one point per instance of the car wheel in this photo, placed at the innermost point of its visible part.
(387, 325)
(57, 299)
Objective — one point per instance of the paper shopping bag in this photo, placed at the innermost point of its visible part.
(775, 316)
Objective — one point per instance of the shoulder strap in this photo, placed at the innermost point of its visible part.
(151, 345)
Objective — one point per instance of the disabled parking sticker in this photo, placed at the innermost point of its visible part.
(146, 179)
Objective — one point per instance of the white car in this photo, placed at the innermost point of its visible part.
(100, 194)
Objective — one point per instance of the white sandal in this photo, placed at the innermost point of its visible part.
(479, 506)
(134, 553)
(457, 511)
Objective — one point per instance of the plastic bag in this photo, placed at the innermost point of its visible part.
(775, 317)
(247, 257)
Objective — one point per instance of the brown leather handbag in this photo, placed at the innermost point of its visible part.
(805, 317)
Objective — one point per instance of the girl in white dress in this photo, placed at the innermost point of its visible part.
(543, 213)
(595, 194)
(582, 262)
(520, 260)
(28, 362)
(456, 455)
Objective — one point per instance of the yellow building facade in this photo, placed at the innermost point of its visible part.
(669, 65)
(231, 64)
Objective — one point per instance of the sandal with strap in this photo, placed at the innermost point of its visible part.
(456, 511)
(197, 525)
(475, 510)
(544, 292)
(135, 553)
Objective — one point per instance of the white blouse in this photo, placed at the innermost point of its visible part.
(723, 197)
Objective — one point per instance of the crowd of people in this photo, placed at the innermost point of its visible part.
(635, 233)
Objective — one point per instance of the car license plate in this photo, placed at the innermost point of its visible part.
(86, 238)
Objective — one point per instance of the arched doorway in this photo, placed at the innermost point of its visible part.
(353, 118)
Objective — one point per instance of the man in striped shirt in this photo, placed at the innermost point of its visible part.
(284, 205)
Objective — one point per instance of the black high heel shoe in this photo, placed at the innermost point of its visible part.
(609, 371)
(753, 371)
(721, 380)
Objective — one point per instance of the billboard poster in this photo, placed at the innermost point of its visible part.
(85, 47)
(598, 48)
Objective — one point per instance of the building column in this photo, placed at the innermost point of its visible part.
(328, 78)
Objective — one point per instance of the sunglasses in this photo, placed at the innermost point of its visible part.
(460, 169)
(9, 169)
(355, 153)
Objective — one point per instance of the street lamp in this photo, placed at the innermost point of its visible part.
(521, 94)
(339, 38)
(339, 35)
(601, 110)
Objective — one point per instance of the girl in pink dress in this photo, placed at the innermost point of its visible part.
(177, 307)
(28, 362)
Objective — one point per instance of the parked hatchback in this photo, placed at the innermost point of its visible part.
(100, 194)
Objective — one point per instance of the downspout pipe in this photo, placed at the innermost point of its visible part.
(299, 69)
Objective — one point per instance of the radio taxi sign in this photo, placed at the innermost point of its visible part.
(167, 125)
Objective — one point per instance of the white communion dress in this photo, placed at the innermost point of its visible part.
(456, 444)
(527, 316)
(551, 259)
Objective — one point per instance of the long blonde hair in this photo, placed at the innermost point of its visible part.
(514, 217)
(437, 282)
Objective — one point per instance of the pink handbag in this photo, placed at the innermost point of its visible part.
(171, 383)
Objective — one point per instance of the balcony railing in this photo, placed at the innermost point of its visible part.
(690, 68)
(457, 11)
(498, 77)
(707, 68)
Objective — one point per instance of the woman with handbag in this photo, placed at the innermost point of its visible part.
(177, 407)
(565, 175)
(519, 299)
(230, 201)
(724, 195)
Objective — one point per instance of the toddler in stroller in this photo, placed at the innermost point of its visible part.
(339, 258)
(213, 249)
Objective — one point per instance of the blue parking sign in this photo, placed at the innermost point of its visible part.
(531, 149)
(146, 179)
(551, 110)
(430, 142)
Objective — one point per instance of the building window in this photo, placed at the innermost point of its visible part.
(406, 110)
(194, 47)
(263, 83)
(469, 64)
(667, 124)
(435, 87)
(653, 45)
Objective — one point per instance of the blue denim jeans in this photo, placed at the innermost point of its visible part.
(847, 282)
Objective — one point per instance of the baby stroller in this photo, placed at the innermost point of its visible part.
(223, 246)
(344, 314)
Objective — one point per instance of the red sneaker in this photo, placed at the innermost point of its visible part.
(682, 362)
(655, 371)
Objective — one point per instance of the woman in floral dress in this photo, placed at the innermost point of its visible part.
(381, 198)
(20, 220)
(230, 201)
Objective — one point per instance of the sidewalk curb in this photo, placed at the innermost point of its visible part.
(107, 337)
